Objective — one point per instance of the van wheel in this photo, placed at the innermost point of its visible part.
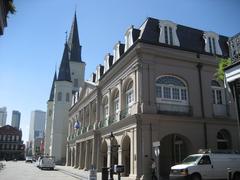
(195, 177)
(237, 176)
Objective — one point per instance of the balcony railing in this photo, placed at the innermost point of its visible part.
(175, 109)
(124, 113)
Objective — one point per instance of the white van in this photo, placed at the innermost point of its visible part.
(207, 166)
(46, 162)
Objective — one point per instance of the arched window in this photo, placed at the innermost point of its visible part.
(223, 139)
(170, 89)
(59, 96)
(116, 102)
(217, 93)
(129, 94)
(67, 97)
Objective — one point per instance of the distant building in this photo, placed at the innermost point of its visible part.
(11, 144)
(16, 116)
(3, 116)
(6, 6)
(37, 127)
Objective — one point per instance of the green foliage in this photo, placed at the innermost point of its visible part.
(11, 7)
(223, 63)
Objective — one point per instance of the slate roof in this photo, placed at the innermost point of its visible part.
(64, 71)
(51, 97)
(190, 39)
(73, 42)
(9, 130)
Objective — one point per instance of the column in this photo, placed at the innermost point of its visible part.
(67, 156)
(77, 156)
(86, 156)
(90, 114)
(120, 155)
(120, 96)
(109, 156)
(71, 156)
(131, 153)
(109, 103)
(80, 155)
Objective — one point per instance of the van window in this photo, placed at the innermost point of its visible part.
(205, 160)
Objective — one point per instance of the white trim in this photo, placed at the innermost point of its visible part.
(165, 23)
(215, 36)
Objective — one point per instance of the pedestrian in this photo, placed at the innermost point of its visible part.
(153, 170)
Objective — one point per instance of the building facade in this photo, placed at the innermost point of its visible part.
(69, 80)
(37, 129)
(3, 116)
(11, 144)
(158, 86)
(16, 117)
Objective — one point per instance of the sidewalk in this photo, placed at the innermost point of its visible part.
(81, 174)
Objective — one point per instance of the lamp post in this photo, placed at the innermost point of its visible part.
(111, 137)
(156, 146)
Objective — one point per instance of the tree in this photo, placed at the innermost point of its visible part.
(223, 63)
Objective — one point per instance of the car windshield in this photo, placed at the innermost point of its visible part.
(191, 159)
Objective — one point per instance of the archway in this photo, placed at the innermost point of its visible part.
(104, 154)
(126, 155)
(174, 148)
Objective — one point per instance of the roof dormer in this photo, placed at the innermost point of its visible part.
(131, 36)
(99, 72)
(212, 43)
(168, 33)
(118, 51)
(108, 61)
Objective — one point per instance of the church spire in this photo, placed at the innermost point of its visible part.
(64, 71)
(51, 97)
(73, 42)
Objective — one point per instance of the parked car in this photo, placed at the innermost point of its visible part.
(207, 166)
(28, 159)
(46, 162)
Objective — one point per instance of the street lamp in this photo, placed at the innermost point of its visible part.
(111, 137)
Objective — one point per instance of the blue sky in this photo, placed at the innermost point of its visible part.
(33, 42)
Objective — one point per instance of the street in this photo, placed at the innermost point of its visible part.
(28, 171)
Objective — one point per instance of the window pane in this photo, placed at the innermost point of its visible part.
(170, 80)
(116, 105)
(159, 91)
(175, 93)
(210, 45)
(166, 34)
(219, 96)
(171, 36)
(166, 92)
(214, 46)
(213, 95)
(184, 94)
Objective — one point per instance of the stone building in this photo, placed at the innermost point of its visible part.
(157, 86)
(11, 144)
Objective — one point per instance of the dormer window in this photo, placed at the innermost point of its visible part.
(108, 61)
(128, 38)
(168, 33)
(212, 43)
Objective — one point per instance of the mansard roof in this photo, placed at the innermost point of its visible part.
(51, 97)
(190, 39)
(64, 71)
(73, 42)
(9, 130)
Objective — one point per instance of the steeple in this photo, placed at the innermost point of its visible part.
(73, 42)
(64, 71)
(51, 97)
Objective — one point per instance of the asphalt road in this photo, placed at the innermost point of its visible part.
(28, 171)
